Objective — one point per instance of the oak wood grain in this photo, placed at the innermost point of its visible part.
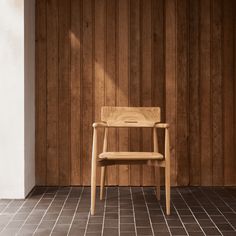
(146, 80)
(64, 141)
(194, 96)
(87, 88)
(170, 80)
(228, 92)
(52, 93)
(205, 94)
(41, 94)
(111, 78)
(123, 80)
(135, 83)
(75, 91)
(99, 66)
(182, 92)
(217, 93)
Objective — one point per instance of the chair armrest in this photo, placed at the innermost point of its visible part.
(162, 125)
(167, 141)
(99, 124)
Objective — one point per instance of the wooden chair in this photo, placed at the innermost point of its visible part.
(123, 117)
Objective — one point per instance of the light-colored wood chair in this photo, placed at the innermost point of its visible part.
(123, 117)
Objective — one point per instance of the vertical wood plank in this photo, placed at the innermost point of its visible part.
(234, 88)
(99, 74)
(52, 93)
(123, 81)
(87, 89)
(41, 94)
(194, 108)
(171, 80)
(158, 66)
(64, 93)
(216, 92)
(134, 97)
(110, 78)
(205, 94)
(75, 87)
(158, 56)
(146, 81)
(228, 91)
(182, 92)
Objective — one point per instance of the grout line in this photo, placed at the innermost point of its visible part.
(168, 227)
(86, 227)
(104, 211)
(225, 202)
(133, 211)
(228, 190)
(31, 212)
(2, 212)
(149, 217)
(45, 212)
(118, 211)
(218, 209)
(191, 211)
(180, 219)
(80, 197)
(61, 211)
(205, 211)
(88, 217)
(17, 211)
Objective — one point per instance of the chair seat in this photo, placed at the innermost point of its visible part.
(131, 156)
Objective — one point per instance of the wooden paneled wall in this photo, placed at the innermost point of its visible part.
(176, 54)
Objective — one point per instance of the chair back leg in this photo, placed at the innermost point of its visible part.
(156, 169)
(103, 168)
(102, 183)
(158, 182)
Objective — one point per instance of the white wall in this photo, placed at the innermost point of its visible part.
(16, 99)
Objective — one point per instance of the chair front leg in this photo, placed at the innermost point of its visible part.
(167, 187)
(93, 172)
(167, 170)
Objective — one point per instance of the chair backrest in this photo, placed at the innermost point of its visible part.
(131, 116)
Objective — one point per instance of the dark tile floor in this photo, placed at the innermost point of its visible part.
(126, 211)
